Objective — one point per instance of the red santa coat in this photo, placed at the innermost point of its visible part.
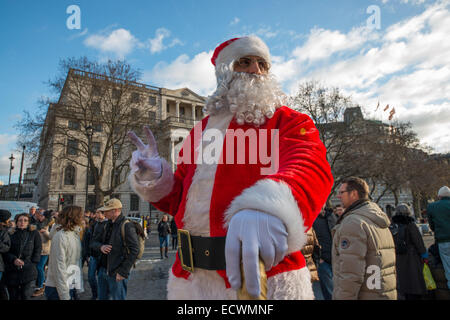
(294, 191)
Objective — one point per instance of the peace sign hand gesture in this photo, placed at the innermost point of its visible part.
(145, 161)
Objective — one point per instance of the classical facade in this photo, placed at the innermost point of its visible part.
(173, 112)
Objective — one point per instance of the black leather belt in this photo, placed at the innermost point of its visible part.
(201, 252)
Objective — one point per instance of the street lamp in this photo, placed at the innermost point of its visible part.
(11, 167)
(89, 134)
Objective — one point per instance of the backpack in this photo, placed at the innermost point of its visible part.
(399, 234)
(141, 237)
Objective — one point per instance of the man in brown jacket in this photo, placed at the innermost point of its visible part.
(363, 253)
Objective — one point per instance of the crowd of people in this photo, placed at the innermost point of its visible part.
(45, 251)
(348, 238)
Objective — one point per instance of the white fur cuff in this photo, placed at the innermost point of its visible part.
(274, 198)
(153, 191)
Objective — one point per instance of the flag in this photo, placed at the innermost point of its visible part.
(385, 108)
(391, 113)
(377, 105)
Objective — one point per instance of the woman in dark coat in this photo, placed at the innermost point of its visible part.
(164, 232)
(5, 244)
(21, 260)
(410, 281)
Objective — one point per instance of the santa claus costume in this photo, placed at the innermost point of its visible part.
(209, 188)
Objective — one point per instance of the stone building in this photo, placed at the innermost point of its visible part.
(61, 171)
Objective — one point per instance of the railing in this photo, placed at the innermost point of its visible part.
(97, 76)
(174, 120)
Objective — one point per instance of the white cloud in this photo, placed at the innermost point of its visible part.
(197, 73)
(407, 66)
(234, 21)
(119, 42)
(157, 45)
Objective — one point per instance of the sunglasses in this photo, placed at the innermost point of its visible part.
(245, 62)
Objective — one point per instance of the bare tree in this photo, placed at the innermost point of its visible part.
(97, 104)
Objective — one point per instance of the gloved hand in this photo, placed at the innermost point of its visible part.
(261, 235)
(145, 161)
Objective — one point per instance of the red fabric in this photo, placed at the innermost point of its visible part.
(220, 48)
(302, 166)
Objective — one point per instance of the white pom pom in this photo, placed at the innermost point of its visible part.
(233, 108)
(249, 117)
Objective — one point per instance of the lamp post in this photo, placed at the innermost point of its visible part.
(11, 167)
(20, 174)
(89, 134)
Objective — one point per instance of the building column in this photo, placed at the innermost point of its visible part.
(178, 110)
(193, 112)
(172, 153)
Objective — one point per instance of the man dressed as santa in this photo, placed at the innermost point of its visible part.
(232, 204)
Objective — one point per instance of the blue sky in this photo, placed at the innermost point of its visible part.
(405, 62)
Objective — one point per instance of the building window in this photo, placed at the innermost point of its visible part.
(96, 148)
(72, 147)
(95, 107)
(97, 127)
(182, 111)
(152, 100)
(134, 202)
(74, 125)
(96, 90)
(116, 93)
(91, 179)
(135, 97)
(152, 114)
(91, 202)
(69, 175)
(116, 151)
(115, 175)
(168, 108)
(68, 199)
(134, 113)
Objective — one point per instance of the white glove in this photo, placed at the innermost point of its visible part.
(145, 162)
(261, 235)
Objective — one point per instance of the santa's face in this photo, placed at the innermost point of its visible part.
(251, 93)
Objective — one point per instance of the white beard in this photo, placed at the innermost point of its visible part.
(251, 98)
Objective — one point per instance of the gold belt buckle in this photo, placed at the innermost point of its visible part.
(185, 233)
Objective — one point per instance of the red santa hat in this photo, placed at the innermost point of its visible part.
(233, 49)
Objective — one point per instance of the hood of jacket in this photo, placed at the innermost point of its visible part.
(371, 211)
(402, 219)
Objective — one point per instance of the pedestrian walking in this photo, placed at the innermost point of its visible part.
(22, 258)
(410, 253)
(362, 246)
(439, 219)
(164, 232)
(174, 232)
(65, 256)
(119, 252)
(323, 225)
(43, 222)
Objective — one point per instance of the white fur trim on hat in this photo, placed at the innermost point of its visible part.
(245, 46)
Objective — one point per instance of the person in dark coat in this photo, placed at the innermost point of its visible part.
(163, 232)
(323, 224)
(410, 281)
(22, 258)
(174, 231)
(5, 244)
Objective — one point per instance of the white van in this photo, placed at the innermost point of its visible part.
(17, 207)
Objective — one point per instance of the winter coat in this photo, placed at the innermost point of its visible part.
(322, 227)
(311, 252)
(362, 247)
(118, 260)
(5, 244)
(25, 245)
(64, 260)
(439, 219)
(409, 266)
(173, 228)
(163, 229)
